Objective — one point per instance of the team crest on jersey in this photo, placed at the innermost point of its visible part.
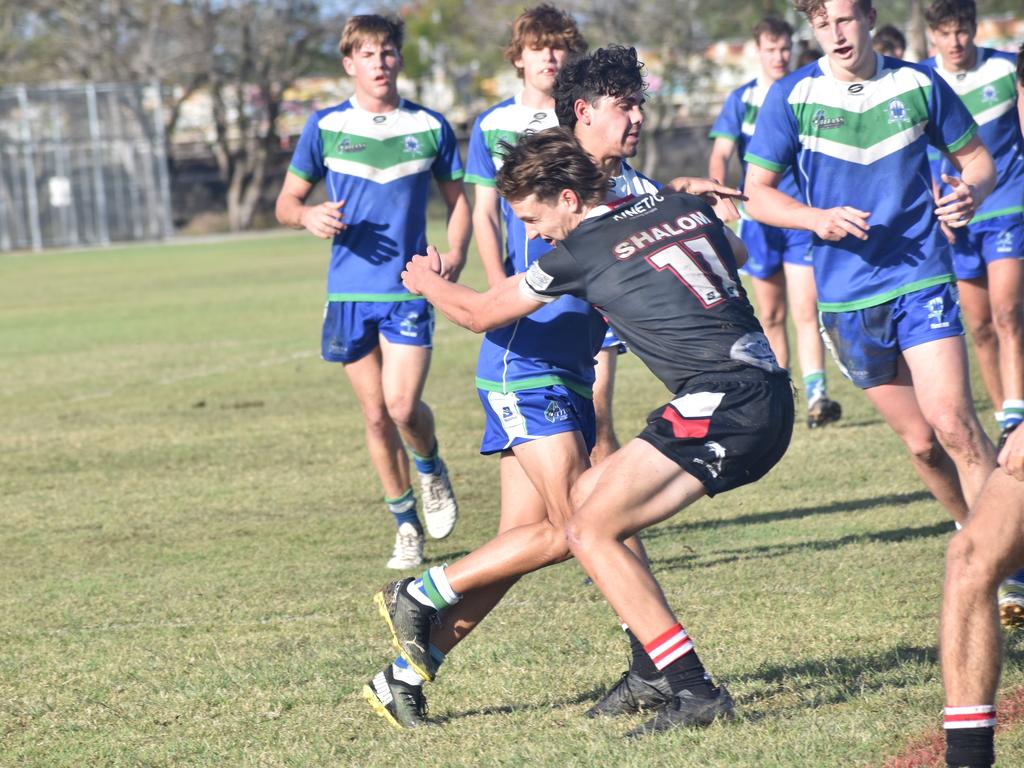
(989, 95)
(898, 112)
(347, 146)
(822, 120)
(411, 144)
(555, 412)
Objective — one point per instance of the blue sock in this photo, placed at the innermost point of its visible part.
(404, 509)
(814, 386)
(428, 465)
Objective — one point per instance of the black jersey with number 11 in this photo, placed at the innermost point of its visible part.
(663, 273)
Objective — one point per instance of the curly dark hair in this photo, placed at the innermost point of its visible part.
(613, 71)
(958, 12)
(1020, 65)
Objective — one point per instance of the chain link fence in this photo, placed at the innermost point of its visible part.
(82, 164)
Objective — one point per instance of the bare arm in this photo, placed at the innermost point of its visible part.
(739, 249)
(976, 181)
(322, 220)
(479, 312)
(487, 228)
(718, 168)
(770, 206)
(454, 259)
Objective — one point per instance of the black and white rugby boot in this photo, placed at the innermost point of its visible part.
(632, 694)
(409, 622)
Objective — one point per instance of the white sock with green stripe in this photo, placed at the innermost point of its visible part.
(401, 670)
(1013, 413)
(433, 590)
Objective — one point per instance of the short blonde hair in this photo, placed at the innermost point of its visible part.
(371, 26)
(544, 25)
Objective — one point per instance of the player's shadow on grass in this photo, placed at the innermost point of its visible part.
(797, 513)
(779, 690)
(725, 556)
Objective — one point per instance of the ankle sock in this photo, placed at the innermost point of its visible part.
(433, 590)
(403, 509)
(672, 652)
(428, 465)
(970, 735)
(641, 663)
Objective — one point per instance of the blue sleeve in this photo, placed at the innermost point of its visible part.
(776, 142)
(729, 124)
(447, 165)
(480, 168)
(308, 159)
(950, 125)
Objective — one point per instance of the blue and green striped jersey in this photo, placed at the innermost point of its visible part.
(381, 165)
(989, 91)
(865, 144)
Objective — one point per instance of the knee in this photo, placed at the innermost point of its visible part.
(1007, 320)
(402, 410)
(377, 420)
(925, 448)
(968, 567)
(982, 331)
(773, 317)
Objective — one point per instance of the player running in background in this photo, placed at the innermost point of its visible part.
(987, 252)
(857, 126)
(780, 259)
(889, 41)
(377, 153)
(662, 269)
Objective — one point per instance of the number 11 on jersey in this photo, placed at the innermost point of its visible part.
(684, 259)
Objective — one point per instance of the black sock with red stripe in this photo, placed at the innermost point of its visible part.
(672, 652)
(970, 736)
(641, 663)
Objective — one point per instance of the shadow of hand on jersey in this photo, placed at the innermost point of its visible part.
(366, 239)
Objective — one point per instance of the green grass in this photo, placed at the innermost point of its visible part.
(190, 534)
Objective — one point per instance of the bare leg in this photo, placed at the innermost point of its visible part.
(770, 295)
(521, 504)
(552, 464)
(988, 549)
(939, 372)
(383, 441)
(974, 302)
(403, 374)
(898, 405)
(1006, 281)
(803, 303)
(638, 487)
(604, 391)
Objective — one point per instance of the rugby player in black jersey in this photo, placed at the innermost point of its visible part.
(662, 268)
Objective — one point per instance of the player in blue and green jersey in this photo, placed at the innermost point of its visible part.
(987, 253)
(376, 154)
(534, 377)
(856, 127)
(780, 259)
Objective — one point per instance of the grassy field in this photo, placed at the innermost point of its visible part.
(190, 534)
